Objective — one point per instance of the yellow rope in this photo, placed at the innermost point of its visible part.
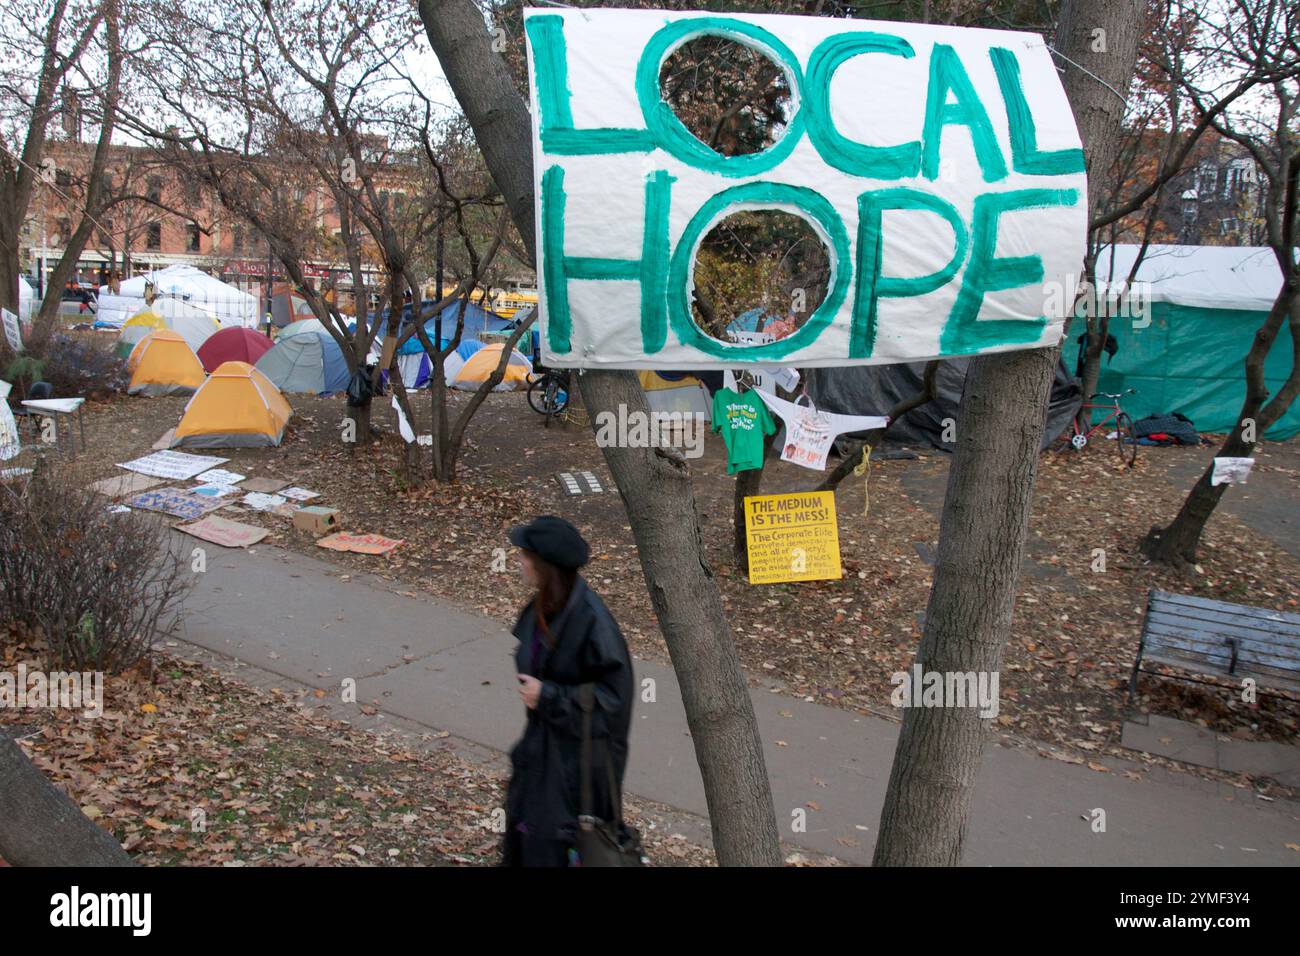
(864, 469)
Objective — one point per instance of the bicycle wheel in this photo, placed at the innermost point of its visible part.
(1125, 440)
(537, 394)
(560, 400)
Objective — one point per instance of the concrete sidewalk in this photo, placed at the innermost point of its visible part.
(436, 666)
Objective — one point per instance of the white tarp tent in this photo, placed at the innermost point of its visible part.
(1199, 277)
(225, 303)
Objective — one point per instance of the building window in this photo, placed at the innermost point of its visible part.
(155, 189)
(193, 233)
(237, 240)
(154, 238)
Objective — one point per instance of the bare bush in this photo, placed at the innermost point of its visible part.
(101, 587)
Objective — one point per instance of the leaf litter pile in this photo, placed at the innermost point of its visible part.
(1075, 634)
(188, 765)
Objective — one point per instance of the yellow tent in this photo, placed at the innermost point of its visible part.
(682, 393)
(162, 363)
(478, 369)
(237, 407)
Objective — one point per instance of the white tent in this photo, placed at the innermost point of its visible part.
(193, 325)
(1200, 277)
(223, 302)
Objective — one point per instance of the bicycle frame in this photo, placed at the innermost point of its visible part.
(1089, 408)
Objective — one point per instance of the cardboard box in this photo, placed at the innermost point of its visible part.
(317, 519)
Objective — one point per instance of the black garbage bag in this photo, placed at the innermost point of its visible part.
(360, 391)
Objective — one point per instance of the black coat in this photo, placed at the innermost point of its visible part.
(589, 648)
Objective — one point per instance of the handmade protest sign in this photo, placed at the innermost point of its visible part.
(940, 167)
(792, 537)
(13, 331)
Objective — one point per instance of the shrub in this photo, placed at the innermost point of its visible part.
(102, 588)
(83, 368)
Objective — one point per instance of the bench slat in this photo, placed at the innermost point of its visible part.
(1215, 634)
(1265, 676)
(1216, 650)
(1208, 604)
(1243, 627)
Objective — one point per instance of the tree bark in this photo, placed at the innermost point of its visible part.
(986, 508)
(40, 825)
(1177, 544)
(655, 484)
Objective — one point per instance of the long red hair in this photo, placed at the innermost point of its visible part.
(555, 584)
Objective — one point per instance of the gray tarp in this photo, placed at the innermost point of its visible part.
(875, 389)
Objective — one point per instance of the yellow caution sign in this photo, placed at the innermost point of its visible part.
(792, 537)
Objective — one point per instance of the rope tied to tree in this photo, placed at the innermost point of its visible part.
(863, 470)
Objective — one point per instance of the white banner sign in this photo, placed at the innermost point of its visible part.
(13, 331)
(940, 166)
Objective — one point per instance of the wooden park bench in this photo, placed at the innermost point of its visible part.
(1218, 638)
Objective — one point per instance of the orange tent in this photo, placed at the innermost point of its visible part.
(237, 407)
(162, 363)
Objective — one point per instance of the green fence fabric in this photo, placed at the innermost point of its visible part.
(1192, 361)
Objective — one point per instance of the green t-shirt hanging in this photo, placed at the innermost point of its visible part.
(743, 421)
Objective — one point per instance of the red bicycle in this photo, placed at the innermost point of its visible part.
(1115, 423)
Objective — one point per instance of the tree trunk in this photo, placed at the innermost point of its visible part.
(986, 508)
(655, 484)
(1177, 544)
(40, 825)
(656, 488)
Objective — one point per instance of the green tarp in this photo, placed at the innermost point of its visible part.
(1192, 360)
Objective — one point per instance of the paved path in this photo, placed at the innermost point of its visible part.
(295, 616)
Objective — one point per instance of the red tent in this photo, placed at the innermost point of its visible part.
(233, 345)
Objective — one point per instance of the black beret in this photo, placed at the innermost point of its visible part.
(553, 540)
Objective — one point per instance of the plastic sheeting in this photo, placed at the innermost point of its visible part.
(875, 389)
(1192, 361)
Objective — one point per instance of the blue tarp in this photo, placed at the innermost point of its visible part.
(477, 319)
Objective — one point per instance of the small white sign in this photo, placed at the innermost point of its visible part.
(172, 464)
(1231, 471)
(219, 476)
(13, 331)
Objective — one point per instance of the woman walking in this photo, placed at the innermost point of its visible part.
(569, 647)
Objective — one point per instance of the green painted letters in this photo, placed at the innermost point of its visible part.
(874, 162)
(964, 333)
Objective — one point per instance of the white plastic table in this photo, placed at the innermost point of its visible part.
(62, 406)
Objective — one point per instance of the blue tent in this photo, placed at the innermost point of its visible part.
(306, 362)
(748, 322)
(477, 319)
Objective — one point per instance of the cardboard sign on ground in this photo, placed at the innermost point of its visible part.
(175, 502)
(219, 476)
(264, 486)
(222, 531)
(360, 543)
(172, 464)
(262, 502)
(121, 485)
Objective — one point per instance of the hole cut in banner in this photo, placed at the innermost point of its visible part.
(944, 221)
